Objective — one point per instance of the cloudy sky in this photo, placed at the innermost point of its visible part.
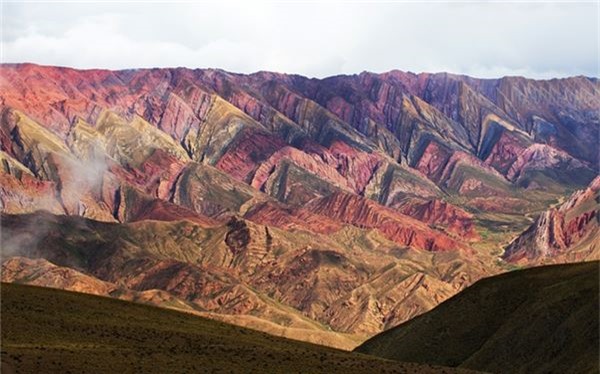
(314, 38)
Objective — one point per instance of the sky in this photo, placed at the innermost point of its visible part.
(314, 38)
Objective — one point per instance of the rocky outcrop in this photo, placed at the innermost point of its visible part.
(567, 232)
(312, 163)
(396, 227)
(442, 214)
(222, 301)
(142, 208)
(544, 159)
(276, 215)
(290, 278)
(21, 192)
(246, 152)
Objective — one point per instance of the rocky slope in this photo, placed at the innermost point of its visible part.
(351, 203)
(567, 232)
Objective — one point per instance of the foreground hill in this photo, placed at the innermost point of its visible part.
(60, 332)
(537, 320)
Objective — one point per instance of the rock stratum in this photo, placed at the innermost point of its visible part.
(568, 232)
(326, 210)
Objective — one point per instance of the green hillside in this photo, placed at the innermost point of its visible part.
(542, 320)
(52, 331)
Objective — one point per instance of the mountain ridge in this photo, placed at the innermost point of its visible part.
(341, 75)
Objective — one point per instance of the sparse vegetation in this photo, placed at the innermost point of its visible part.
(52, 331)
(539, 320)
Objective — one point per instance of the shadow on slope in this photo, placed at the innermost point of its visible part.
(65, 332)
(537, 320)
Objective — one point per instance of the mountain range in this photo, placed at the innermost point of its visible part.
(326, 210)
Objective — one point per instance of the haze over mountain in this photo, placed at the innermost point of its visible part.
(326, 210)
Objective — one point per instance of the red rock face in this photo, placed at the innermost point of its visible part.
(438, 212)
(319, 118)
(27, 194)
(505, 152)
(160, 210)
(246, 153)
(158, 174)
(179, 116)
(275, 215)
(396, 227)
(433, 161)
(357, 167)
(541, 157)
(567, 231)
(310, 162)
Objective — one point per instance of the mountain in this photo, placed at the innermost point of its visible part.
(342, 206)
(538, 320)
(58, 332)
(568, 232)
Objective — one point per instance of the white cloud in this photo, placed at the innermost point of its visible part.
(310, 38)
